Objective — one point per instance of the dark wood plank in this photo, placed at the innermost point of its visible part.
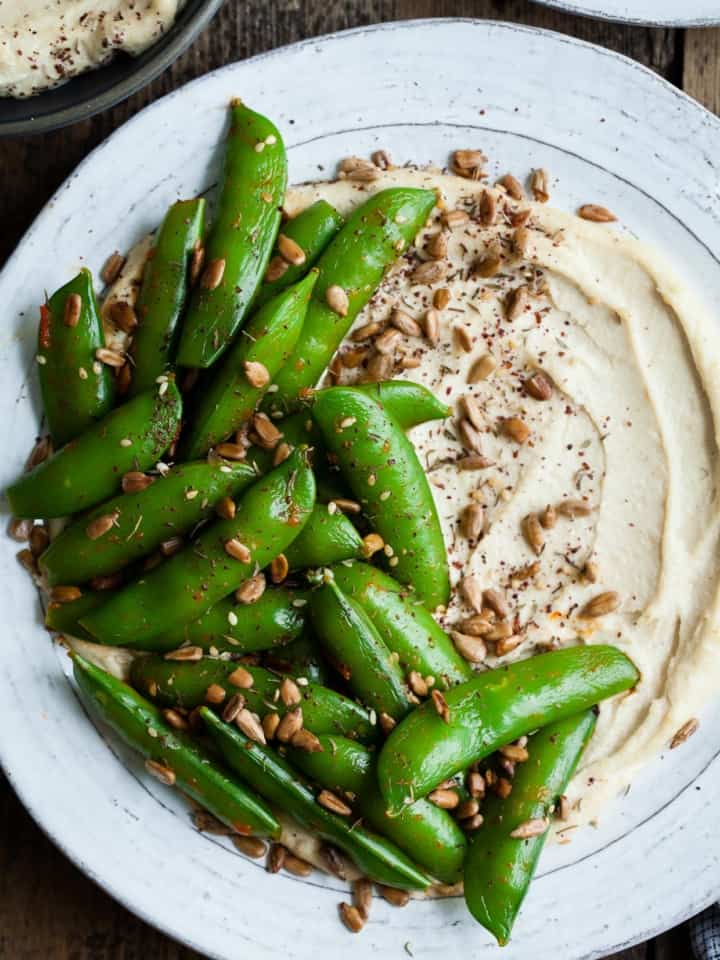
(48, 909)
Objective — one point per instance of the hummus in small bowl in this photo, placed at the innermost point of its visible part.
(45, 42)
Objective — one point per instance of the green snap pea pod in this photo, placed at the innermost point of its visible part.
(493, 709)
(171, 683)
(76, 389)
(188, 765)
(275, 780)
(231, 394)
(276, 619)
(382, 469)
(430, 835)
(238, 247)
(405, 625)
(164, 291)
(171, 506)
(65, 617)
(326, 538)
(88, 469)
(312, 229)
(409, 403)
(373, 237)
(499, 867)
(354, 646)
(268, 518)
(301, 658)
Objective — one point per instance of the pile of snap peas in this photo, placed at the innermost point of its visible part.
(271, 553)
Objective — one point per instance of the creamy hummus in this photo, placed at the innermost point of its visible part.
(45, 42)
(630, 430)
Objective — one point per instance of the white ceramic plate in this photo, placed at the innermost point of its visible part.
(609, 132)
(652, 13)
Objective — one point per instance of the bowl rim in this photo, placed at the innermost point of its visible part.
(162, 54)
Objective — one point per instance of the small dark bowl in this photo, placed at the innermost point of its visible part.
(100, 89)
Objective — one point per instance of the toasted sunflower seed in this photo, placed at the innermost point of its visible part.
(441, 298)
(685, 731)
(64, 594)
(601, 604)
(595, 213)
(405, 323)
(72, 310)
(539, 185)
(276, 858)
(351, 917)
(472, 521)
(276, 268)
(440, 704)
(548, 517)
(215, 694)
(530, 828)
(289, 725)
(574, 508)
(213, 274)
(337, 299)
(185, 653)
(394, 896)
(307, 741)
(134, 481)
(515, 429)
(445, 799)
(539, 386)
(241, 678)
(472, 649)
(250, 725)
(436, 247)
(251, 590)
(161, 772)
(429, 272)
(270, 723)
(329, 800)
(482, 368)
(112, 267)
(250, 846)
(532, 531)
(123, 315)
(512, 186)
(290, 250)
(256, 373)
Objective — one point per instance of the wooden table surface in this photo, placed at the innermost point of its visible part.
(48, 909)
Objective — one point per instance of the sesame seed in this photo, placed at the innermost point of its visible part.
(232, 618)
(41, 359)
(126, 442)
(259, 146)
(82, 373)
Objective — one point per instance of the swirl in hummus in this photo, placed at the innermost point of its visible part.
(45, 42)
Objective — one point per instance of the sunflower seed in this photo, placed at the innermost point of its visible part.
(595, 213)
(601, 604)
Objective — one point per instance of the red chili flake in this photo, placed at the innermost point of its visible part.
(44, 332)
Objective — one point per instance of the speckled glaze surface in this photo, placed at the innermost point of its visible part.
(527, 98)
(654, 13)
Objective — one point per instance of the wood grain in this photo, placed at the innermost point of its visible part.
(701, 67)
(48, 909)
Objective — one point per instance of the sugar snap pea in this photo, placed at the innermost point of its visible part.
(88, 469)
(351, 267)
(170, 683)
(428, 833)
(312, 229)
(326, 538)
(276, 619)
(268, 518)
(230, 395)
(381, 467)
(301, 658)
(76, 388)
(238, 247)
(171, 754)
(407, 628)
(274, 779)
(500, 866)
(164, 291)
(65, 617)
(132, 525)
(354, 646)
(493, 709)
